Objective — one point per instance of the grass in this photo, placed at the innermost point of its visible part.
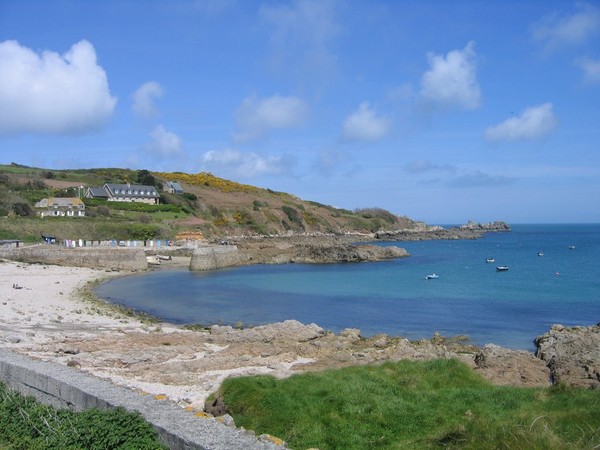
(28, 425)
(412, 405)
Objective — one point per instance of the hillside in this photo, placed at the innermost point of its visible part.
(210, 206)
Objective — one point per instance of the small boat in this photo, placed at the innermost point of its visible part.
(571, 247)
(433, 276)
(540, 253)
(490, 260)
(502, 268)
(153, 260)
(164, 257)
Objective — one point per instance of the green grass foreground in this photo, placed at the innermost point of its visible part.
(28, 425)
(413, 405)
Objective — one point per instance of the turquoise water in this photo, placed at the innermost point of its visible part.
(469, 298)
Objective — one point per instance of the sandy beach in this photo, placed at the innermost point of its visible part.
(46, 313)
(43, 315)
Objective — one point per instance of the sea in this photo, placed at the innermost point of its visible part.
(553, 277)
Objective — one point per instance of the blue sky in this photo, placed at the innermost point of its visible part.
(443, 111)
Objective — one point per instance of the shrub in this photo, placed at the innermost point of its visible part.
(23, 210)
(103, 211)
(292, 215)
(142, 231)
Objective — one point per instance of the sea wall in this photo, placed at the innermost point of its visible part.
(215, 257)
(65, 387)
(92, 257)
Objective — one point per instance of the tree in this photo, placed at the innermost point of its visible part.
(23, 210)
(145, 177)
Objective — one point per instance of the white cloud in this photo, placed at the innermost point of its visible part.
(236, 163)
(164, 144)
(255, 117)
(557, 30)
(591, 69)
(452, 80)
(143, 99)
(50, 93)
(329, 160)
(365, 125)
(535, 122)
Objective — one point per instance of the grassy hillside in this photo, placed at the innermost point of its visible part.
(211, 205)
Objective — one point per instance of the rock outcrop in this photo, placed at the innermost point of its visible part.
(511, 367)
(572, 355)
(312, 250)
(471, 230)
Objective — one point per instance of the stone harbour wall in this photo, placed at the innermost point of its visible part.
(65, 387)
(92, 257)
(215, 257)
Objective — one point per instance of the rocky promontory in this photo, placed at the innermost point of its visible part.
(313, 250)
(470, 230)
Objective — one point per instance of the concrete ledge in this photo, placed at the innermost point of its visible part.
(210, 258)
(63, 386)
(92, 257)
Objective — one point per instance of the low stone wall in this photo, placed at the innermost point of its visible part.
(215, 257)
(92, 257)
(62, 386)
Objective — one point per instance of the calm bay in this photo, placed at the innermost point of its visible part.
(553, 277)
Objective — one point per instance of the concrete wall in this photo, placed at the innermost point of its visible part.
(62, 386)
(93, 257)
(216, 257)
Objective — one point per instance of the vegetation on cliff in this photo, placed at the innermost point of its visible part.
(211, 205)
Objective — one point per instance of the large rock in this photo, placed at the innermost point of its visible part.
(572, 354)
(502, 366)
(312, 250)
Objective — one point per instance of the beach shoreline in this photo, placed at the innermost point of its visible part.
(47, 313)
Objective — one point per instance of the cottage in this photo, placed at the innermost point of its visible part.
(60, 207)
(125, 193)
(173, 187)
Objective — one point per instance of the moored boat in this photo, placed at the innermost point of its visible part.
(153, 260)
(432, 276)
(502, 268)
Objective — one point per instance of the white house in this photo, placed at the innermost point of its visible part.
(60, 207)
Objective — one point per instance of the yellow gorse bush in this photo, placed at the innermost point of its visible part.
(206, 179)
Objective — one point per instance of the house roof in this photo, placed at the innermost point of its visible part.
(175, 186)
(64, 201)
(132, 190)
(98, 192)
(61, 202)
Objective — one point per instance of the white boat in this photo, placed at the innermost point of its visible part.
(433, 276)
(571, 247)
(490, 260)
(153, 260)
(540, 253)
(502, 268)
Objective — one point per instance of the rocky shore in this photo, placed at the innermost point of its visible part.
(46, 315)
(470, 230)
